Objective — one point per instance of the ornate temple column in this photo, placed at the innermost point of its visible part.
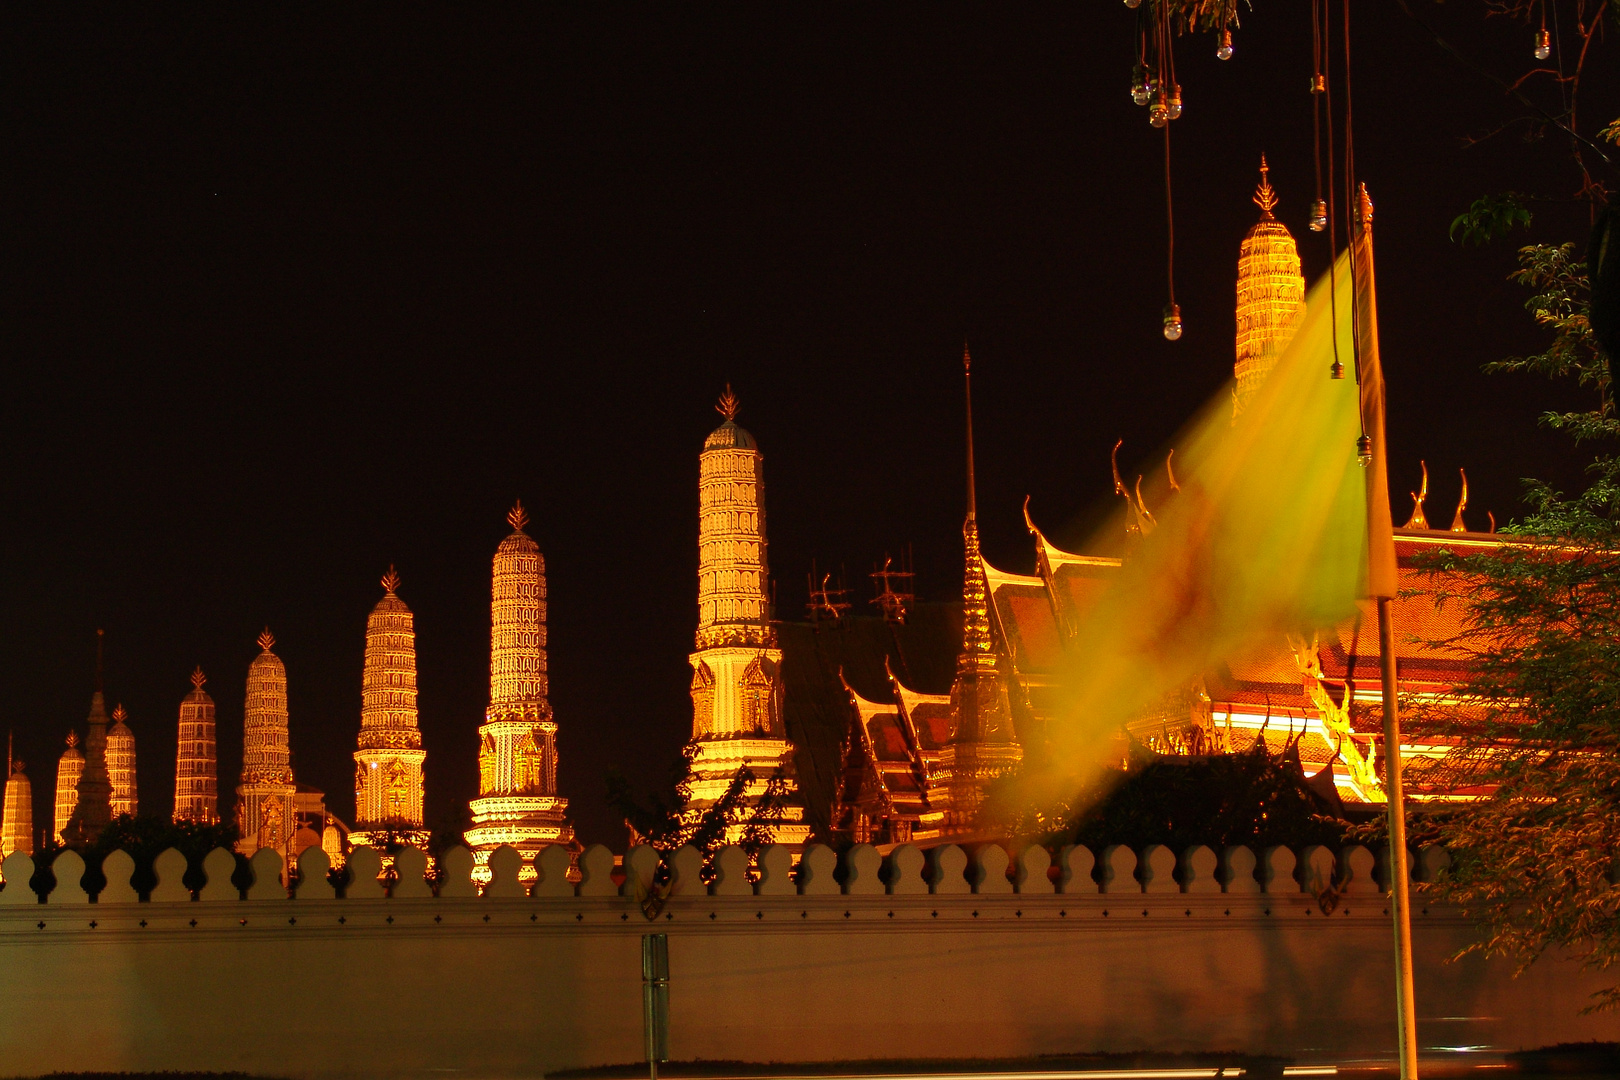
(121, 764)
(17, 814)
(69, 768)
(264, 799)
(196, 767)
(388, 764)
(517, 800)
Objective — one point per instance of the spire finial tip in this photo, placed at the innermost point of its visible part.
(517, 517)
(728, 404)
(390, 580)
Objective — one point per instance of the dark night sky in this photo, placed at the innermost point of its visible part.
(288, 296)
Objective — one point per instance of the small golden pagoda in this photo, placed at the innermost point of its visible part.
(1270, 294)
(69, 768)
(265, 799)
(121, 764)
(92, 806)
(517, 800)
(388, 764)
(17, 816)
(196, 769)
(737, 719)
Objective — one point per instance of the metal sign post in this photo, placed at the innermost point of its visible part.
(655, 999)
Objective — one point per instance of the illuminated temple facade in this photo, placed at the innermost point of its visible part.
(883, 712)
(265, 809)
(388, 763)
(737, 689)
(517, 800)
(196, 765)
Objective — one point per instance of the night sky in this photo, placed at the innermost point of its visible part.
(288, 296)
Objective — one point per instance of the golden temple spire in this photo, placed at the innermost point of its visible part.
(972, 494)
(1264, 197)
(390, 580)
(1457, 523)
(1270, 295)
(119, 715)
(728, 404)
(266, 639)
(517, 517)
(198, 678)
(982, 744)
(101, 637)
(1417, 520)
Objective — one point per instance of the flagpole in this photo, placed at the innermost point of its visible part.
(1400, 873)
(1382, 586)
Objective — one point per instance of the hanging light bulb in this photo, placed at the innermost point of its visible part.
(1225, 51)
(1318, 215)
(1173, 103)
(1364, 451)
(1159, 112)
(1133, 4)
(1141, 88)
(1172, 323)
(1543, 44)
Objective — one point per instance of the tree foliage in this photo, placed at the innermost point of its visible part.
(1535, 728)
(667, 820)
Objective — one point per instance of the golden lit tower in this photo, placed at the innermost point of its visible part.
(737, 667)
(92, 808)
(517, 800)
(68, 770)
(17, 815)
(388, 765)
(196, 770)
(1270, 295)
(983, 744)
(264, 799)
(121, 764)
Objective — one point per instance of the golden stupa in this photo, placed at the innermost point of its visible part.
(388, 763)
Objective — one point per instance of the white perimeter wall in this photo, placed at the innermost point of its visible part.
(469, 986)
